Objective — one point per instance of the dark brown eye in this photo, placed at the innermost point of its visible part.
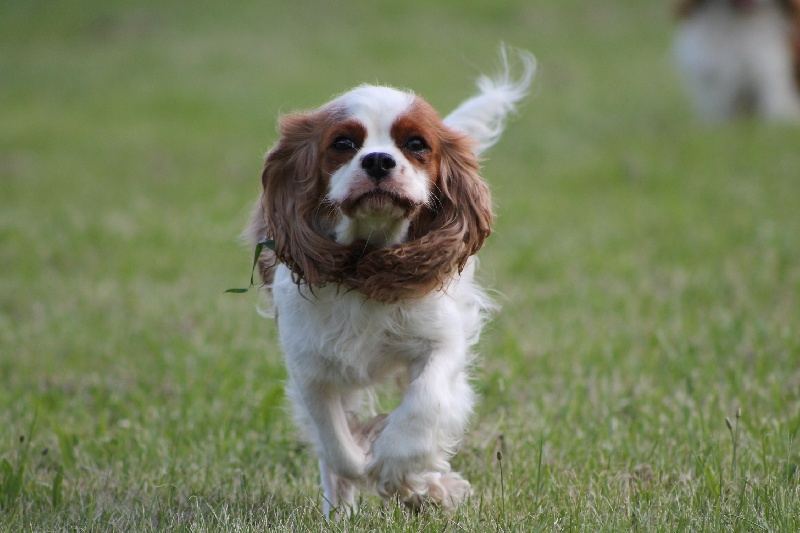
(344, 144)
(416, 145)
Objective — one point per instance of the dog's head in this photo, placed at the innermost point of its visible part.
(374, 192)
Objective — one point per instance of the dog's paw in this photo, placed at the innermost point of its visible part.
(416, 485)
(446, 490)
(411, 467)
(398, 459)
(394, 477)
(449, 489)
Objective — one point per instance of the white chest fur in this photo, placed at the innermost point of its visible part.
(343, 339)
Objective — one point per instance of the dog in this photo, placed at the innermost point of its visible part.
(741, 56)
(373, 210)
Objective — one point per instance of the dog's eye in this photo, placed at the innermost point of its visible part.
(344, 144)
(416, 145)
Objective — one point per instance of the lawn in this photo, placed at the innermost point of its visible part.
(643, 374)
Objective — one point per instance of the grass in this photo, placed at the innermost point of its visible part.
(648, 267)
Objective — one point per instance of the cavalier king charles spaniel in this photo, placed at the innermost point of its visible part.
(373, 209)
(741, 55)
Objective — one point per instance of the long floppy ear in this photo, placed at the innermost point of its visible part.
(460, 213)
(294, 212)
(463, 195)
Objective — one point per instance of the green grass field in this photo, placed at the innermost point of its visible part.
(648, 267)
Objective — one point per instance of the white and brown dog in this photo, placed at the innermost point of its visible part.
(375, 209)
(741, 56)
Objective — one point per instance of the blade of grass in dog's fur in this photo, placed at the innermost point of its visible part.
(260, 246)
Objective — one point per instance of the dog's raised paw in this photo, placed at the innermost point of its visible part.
(446, 490)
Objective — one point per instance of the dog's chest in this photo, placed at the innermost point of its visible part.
(371, 340)
(350, 341)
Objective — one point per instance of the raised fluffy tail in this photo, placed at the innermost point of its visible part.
(483, 117)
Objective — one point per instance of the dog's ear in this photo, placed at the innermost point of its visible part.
(464, 197)
(294, 214)
(459, 216)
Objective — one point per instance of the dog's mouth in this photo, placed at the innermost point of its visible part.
(379, 202)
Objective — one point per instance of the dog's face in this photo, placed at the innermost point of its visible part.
(372, 190)
(382, 157)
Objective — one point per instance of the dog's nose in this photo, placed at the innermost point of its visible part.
(378, 165)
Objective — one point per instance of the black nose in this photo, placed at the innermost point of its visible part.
(377, 165)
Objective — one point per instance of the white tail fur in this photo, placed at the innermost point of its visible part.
(483, 116)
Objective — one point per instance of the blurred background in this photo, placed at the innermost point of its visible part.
(647, 262)
(133, 135)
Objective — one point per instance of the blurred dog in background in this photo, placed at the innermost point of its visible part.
(741, 56)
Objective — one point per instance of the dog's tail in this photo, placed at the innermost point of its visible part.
(483, 116)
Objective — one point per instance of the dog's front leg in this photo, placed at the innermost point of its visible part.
(339, 493)
(322, 411)
(410, 458)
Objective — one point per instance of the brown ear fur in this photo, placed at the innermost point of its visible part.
(294, 213)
